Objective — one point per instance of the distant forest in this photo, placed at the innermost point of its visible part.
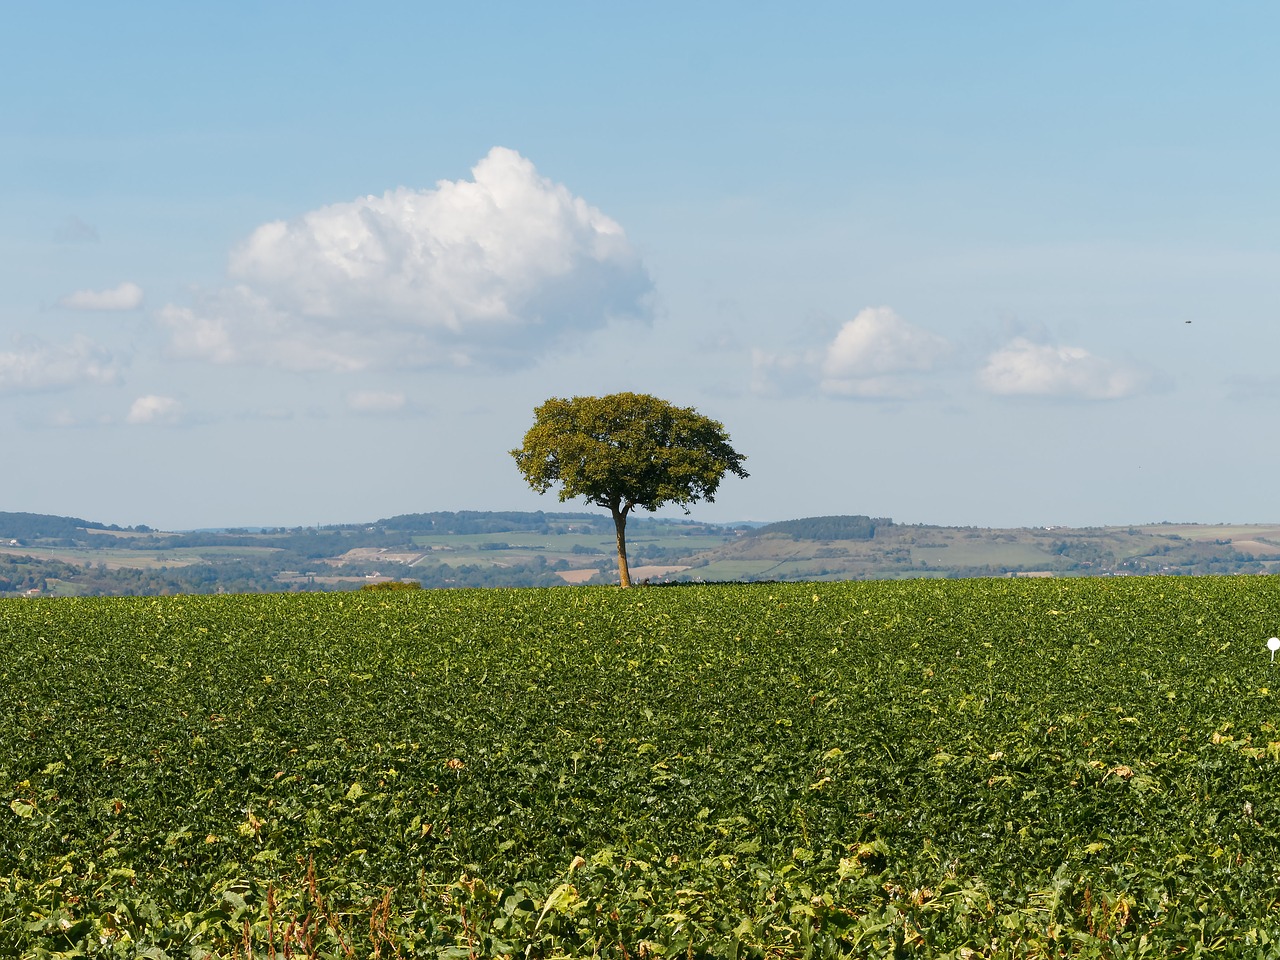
(33, 526)
(827, 528)
(471, 522)
(476, 522)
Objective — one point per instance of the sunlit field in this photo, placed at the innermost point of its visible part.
(1005, 768)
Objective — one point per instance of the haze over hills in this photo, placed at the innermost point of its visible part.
(66, 556)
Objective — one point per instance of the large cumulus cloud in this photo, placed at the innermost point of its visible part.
(491, 270)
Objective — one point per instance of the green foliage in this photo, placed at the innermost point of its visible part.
(21, 573)
(391, 586)
(30, 526)
(626, 450)
(466, 522)
(1002, 768)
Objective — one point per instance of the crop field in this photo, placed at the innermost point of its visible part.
(980, 768)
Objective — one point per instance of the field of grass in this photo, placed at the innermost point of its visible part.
(1204, 531)
(972, 553)
(997, 768)
(732, 570)
(113, 559)
(117, 558)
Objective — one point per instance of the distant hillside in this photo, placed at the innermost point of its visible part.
(33, 526)
(477, 522)
(470, 522)
(859, 548)
(68, 556)
(827, 528)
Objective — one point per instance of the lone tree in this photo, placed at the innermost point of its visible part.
(624, 451)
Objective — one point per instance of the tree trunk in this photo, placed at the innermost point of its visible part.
(620, 525)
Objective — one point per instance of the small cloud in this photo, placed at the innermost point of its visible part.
(375, 401)
(195, 337)
(773, 374)
(876, 352)
(488, 271)
(876, 355)
(75, 230)
(127, 296)
(65, 419)
(1024, 368)
(154, 409)
(40, 366)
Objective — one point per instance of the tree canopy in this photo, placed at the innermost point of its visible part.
(623, 451)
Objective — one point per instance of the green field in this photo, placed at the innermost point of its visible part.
(1004, 768)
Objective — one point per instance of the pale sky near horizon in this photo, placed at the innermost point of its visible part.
(994, 264)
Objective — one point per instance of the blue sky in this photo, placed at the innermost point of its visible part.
(990, 264)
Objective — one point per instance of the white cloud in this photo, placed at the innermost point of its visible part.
(877, 354)
(196, 337)
(236, 325)
(127, 296)
(64, 419)
(154, 409)
(40, 366)
(375, 401)
(1024, 368)
(491, 270)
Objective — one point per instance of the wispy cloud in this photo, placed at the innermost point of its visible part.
(64, 418)
(1024, 368)
(493, 270)
(375, 401)
(36, 365)
(154, 408)
(127, 296)
(775, 373)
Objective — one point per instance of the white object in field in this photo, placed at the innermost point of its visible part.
(1273, 645)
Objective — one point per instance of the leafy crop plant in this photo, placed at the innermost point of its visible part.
(987, 768)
